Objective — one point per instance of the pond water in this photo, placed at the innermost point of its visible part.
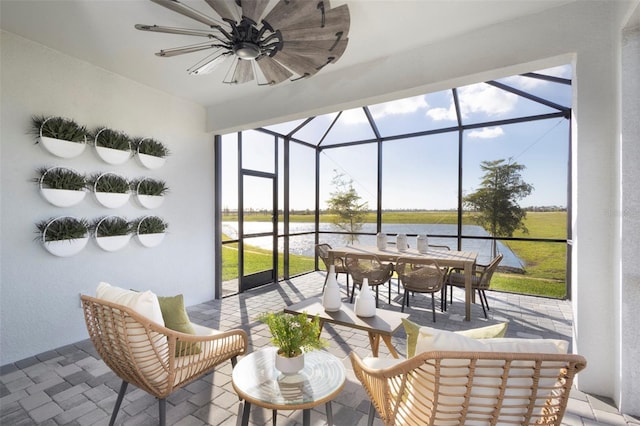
(303, 245)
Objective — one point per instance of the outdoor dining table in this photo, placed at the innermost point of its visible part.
(454, 259)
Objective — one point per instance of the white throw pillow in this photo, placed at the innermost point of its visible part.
(145, 303)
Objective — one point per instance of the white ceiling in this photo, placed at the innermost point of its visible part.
(102, 32)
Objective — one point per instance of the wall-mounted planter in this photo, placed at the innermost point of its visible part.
(57, 196)
(55, 127)
(150, 201)
(150, 230)
(109, 154)
(111, 182)
(75, 231)
(150, 240)
(151, 153)
(108, 225)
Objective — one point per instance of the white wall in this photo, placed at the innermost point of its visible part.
(39, 292)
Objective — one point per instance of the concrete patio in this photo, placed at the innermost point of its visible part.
(71, 385)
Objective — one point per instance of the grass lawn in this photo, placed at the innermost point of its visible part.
(545, 263)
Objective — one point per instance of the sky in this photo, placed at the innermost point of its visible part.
(421, 172)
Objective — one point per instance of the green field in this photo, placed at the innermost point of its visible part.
(545, 263)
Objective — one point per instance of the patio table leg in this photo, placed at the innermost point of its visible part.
(329, 413)
(306, 417)
(374, 341)
(246, 410)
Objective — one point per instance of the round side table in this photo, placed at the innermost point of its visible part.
(258, 382)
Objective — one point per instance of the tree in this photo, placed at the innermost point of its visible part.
(496, 201)
(345, 206)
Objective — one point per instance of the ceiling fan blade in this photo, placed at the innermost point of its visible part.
(224, 8)
(172, 30)
(175, 51)
(185, 10)
(329, 48)
(272, 70)
(253, 9)
(299, 64)
(310, 28)
(243, 71)
(293, 10)
(209, 63)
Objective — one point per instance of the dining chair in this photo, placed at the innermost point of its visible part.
(368, 266)
(480, 281)
(322, 251)
(420, 276)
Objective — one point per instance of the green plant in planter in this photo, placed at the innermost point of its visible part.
(108, 138)
(59, 128)
(109, 182)
(150, 187)
(151, 147)
(65, 228)
(292, 334)
(61, 178)
(111, 226)
(150, 225)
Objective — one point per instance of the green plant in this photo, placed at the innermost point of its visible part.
(150, 225)
(109, 182)
(151, 147)
(64, 228)
(111, 226)
(292, 334)
(148, 186)
(113, 139)
(61, 178)
(58, 128)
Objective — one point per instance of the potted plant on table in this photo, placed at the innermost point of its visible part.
(151, 153)
(60, 136)
(293, 335)
(61, 186)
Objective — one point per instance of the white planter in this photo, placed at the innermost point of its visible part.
(62, 148)
(65, 248)
(112, 200)
(151, 161)
(289, 365)
(150, 201)
(150, 240)
(113, 243)
(113, 156)
(62, 197)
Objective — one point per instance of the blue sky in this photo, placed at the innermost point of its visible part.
(421, 173)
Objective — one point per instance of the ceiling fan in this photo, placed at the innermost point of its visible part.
(293, 39)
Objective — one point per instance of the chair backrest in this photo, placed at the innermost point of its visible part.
(368, 266)
(322, 251)
(472, 388)
(421, 275)
(130, 344)
(485, 278)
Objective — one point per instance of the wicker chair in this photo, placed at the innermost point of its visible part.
(322, 251)
(144, 353)
(420, 276)
(480, 281)
(470, 388)
(362, 266)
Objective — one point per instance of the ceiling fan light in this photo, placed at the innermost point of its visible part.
(246, 50)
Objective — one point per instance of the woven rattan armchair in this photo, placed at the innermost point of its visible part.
(144, 353)
(481, 280)
(363, 266)
(420, 276)
(322, 251)
(470, 388)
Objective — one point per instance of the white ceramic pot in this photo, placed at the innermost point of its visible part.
(289, 365)
(331, 299)
(150, 201)
(112, 200)
(62, 197)
(151, 161)
(65, 248)
(150, 240)
(365, 305)
(61, 148)
(112, 156)
(113, 243)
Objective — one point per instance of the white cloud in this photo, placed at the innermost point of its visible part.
(482, 98)
(487, 133)
(401, 106)
(439, 114)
